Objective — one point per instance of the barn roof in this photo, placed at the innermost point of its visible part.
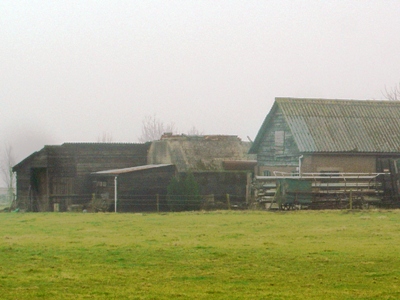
(41, 155)
(198, 153)
(321, 125)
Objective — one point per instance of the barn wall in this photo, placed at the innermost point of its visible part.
(152, 181)
(316, 163)
(221, 183)
(68, 169)
(341, 163)
(62, 176)
(278, 150)
(22, 188)
(37, 160)
(93, 158)
(39, 200)
(136, 190)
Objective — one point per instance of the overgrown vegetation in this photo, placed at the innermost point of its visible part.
(197, 255)
(184, 193)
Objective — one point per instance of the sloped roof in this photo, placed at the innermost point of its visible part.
(198, 153)
(84, 146)
(37, 155)
(321, 125)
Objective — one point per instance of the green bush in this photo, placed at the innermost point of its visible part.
(183, 193)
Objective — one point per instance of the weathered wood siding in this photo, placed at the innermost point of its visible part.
(68, 168)
(29, 166)
(221, 183)
(136, 191)
(286, 152)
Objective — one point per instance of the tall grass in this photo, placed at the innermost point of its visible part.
(215, 255)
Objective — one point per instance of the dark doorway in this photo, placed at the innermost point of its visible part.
(39, 198)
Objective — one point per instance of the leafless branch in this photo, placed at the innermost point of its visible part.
(392, 94)
(8, 176)
(8, 161)
(153, 129)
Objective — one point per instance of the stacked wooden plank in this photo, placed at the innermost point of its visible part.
(325, 190)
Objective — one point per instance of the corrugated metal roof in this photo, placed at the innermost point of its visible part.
(321, 125)
(129, 170)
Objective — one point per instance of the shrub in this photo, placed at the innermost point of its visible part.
(183, 193)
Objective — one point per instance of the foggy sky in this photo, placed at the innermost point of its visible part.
(72, 70)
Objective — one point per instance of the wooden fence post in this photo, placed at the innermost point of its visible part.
(228, 200)
(351, 200)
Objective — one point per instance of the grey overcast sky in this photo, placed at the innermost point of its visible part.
(71, 70)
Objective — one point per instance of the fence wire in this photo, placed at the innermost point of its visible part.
(131, 203)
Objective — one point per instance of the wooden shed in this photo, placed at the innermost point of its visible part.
(58, 177)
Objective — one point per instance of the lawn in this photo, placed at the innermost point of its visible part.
(201, 255)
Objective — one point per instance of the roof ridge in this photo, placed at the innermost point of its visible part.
(99, 143)
(336, 101)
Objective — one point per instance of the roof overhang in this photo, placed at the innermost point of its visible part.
(116, 172)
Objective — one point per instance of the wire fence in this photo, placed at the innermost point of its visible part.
(131, 203)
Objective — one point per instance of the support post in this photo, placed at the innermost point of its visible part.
(351, 199)
(248, 187)
(115, 192)
(300, 158)
(228, 201)
(158, 203)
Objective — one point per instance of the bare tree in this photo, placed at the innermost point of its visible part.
(392, 94)
(106, 137)
(153, 128)
(194, 131)
(7, 174)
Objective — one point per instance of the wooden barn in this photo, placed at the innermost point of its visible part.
(93, 175)
(331, 138)
(58, 177)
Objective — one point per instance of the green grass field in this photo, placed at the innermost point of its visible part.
(212, 255)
